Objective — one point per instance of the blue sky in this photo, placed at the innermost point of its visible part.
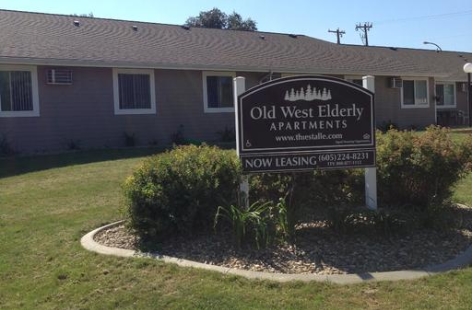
(399, 23)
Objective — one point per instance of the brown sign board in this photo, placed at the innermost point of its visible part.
(305, 123)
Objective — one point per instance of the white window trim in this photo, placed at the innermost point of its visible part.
(204, 85)
(454, 105)
(415, 106)
(34, 85)
(116, 96)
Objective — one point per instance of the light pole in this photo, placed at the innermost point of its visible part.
(439, 49)
(467, 70)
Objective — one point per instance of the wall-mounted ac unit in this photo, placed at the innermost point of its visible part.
(395, 82)
(59, 76)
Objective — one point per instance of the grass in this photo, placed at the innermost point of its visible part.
(47, 203)
(462, 192)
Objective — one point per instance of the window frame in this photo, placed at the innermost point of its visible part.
(444, 106)
(415, 105)
(34, 92)
(116, 92)
(208, 109)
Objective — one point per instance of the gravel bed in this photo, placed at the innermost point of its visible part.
(319, 250)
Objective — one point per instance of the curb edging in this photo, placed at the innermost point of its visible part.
(463, 259)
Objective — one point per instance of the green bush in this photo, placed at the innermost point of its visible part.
(178, 192)
(419, 169)
(310, 193)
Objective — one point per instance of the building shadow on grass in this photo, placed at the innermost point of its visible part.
(16, 165)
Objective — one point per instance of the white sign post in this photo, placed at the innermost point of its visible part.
(238, 89)
(371, 197)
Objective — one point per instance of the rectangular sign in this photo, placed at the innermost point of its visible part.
(292, 118)
(310, 161)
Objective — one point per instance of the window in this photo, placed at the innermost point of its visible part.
(18, 91)
(445, 95)
(415, 94)
(218, 91)
(133, 91)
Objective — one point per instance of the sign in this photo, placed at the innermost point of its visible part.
(304, 123)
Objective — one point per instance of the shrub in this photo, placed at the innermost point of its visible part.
(310, 192)
(419, 168)
(178, 192)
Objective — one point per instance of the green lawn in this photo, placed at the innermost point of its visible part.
(47, 203)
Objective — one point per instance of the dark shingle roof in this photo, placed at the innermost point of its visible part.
(55, 39)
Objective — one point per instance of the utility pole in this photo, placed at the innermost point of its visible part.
(339, 34)
(366, 27)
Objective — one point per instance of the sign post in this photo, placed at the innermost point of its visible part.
(238, 89)
(371, 197)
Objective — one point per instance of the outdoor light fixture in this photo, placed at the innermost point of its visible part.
(439, 49)
(467, 70)
(467, 67)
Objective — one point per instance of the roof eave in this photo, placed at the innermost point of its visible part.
(157, 65)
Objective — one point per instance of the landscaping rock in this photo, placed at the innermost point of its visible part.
(319, 250)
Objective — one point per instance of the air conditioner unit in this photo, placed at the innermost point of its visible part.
(59, 76)
(395, 82)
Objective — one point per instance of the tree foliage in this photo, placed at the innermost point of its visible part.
(215, 18)
(236, 22)
(91, 15)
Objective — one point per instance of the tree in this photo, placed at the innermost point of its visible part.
(235, 22)
(215, 18)
(209, 19)
(91, 15)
